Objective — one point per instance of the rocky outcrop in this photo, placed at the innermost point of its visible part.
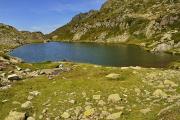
(13, 115)
(11, 36)
(152, 22)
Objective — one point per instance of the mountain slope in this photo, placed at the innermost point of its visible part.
(154, 24)
(12, 37)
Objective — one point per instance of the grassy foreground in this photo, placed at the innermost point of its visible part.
(86, 88)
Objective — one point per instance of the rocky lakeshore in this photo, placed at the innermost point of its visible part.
(77, 91)
(72, 91)
(153, 24)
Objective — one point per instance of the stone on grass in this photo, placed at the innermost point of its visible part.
(89, 112)
(77, 110)
(41, 117)
(34, 93)
(16, 103)
(27, 70)
(13, 77)
(159, 93)
(30, 97)
(104, 113)
(18, 68)
(170, 83)
(65, 115)
(72, 101)
(84, 94)
(113, 76)
(114, 98)
(26, 105)
(96, 97)
(13, 115)
(4, 101)
(119, 107)
(101, 103)
(145, 111)
(30, 118)
(57, 118)
(114, 116)
(138, 91)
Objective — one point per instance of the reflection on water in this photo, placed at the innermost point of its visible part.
(110, 55)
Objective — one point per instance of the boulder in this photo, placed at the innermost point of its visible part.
(72, 101)
(26, 105)
(170, 83)
(27, 70)
(18, 68)
(114, 98)
(101, 103)
(89, 112)
(34, 93)
(159, 93)
(13, 77)
(114, 116)
(113, 76)
(30, 118)
(162, 47)
(13, 115)
(77, 110)
(145, 111)
(65, 115)
(15, 60)
(138, 91)
(30, 97)
(96, 97)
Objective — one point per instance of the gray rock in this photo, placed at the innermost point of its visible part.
(159, 93)
(4, 101)
(13, 77)
(101, 103)
(145, 111)
(114, 98)
(30, 97)
(34, 93)
(72, 101)
(113, 76)
(18, 68)
(30, 118)
(170, 83)
(114, 116)
(26, 105)
(138, 91)
(41, 117)
(57, 118)
(89, 111)
(27, 70)
(162, 47)
(96, 97)
(13, 115)
(65, 115)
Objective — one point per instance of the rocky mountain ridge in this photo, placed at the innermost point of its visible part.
(154, 24)
(13, 37)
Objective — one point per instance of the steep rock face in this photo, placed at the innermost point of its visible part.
(151, 22)
(11, 36)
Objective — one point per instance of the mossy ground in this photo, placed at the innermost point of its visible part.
(89, 79)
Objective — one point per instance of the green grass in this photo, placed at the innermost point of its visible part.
(83, 78)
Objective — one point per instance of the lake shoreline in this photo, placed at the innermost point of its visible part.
(87, 46)
(126, 43)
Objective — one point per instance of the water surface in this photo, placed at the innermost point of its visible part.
(110, 55)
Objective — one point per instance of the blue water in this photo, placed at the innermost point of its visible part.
(110, 55)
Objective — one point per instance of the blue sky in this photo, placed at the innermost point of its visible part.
(43, 15)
